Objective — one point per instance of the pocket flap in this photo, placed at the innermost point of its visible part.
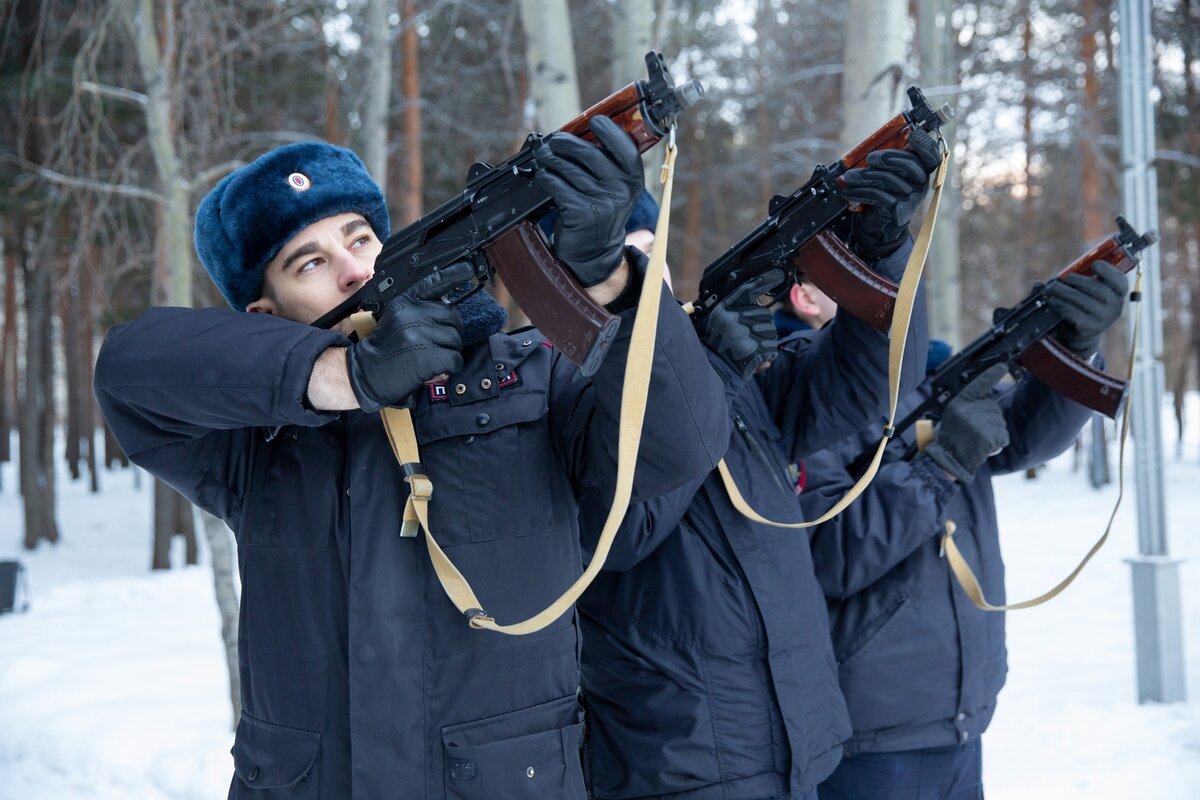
(525, 758)
(441, 420)
(529, 754)
(267, 756)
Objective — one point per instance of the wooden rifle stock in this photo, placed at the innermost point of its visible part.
(1062, 370)
(799, 235)
(625, 109)
(892, 135)
(492, 220)
(1021, 336)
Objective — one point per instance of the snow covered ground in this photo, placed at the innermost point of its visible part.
(113, 687)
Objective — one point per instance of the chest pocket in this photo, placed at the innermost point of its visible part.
(298, 500)
(493, 467)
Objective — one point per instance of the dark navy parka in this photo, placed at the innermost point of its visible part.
(920, 666)
(707, 670)
(359, 677)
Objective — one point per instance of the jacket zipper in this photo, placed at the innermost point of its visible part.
(762, 456)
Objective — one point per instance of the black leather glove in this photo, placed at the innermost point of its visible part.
(595, 189)
(971, 429)
(417, 337)
(891, 187)
(1089, 305)
(741, 331)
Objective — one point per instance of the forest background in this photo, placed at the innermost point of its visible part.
(116, 116)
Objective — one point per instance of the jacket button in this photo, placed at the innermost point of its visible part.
(965, 736)
(961, 716)
(460, 389)
(486, 383)
(526, 343)
(500, 369)
(482, 420)
(468, 439)
(529, 773)
(253, 776)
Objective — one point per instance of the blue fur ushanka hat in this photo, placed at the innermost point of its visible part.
(251, 214)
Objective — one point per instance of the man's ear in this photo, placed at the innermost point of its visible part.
(263, 305)
(802, 300)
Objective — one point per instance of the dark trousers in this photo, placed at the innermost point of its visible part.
(936, 773)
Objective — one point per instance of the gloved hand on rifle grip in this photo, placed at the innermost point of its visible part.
(1089, 306)
(971, 429)
(595, 189)
(891, 188)
(417, 337)
(741, 331)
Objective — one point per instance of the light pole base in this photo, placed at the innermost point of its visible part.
(1158, 629)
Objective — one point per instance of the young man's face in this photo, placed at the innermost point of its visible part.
(318, 268)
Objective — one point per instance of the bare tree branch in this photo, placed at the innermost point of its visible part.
(128, 190)
(128, 95)
(212, 173)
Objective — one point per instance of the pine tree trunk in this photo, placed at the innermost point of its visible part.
(8, 345)
(37, 404)
(87, 361)
(69, 313)
(1096, 219)
(1028, 202)
(687, 282)
(414, 166)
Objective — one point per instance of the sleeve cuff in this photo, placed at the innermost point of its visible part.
(933, 477)
(628, 298)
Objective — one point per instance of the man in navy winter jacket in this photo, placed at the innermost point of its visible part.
(359, 677)
(921, 666)
(707, 670)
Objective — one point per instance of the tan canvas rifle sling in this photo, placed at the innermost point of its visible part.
(634, 393)
(958, 564)
(897, 339)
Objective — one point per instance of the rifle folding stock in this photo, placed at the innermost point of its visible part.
(1019, 337)
(801, 232)
(491, 227)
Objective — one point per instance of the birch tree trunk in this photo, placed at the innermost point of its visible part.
(872, 81)
(939, 67)
(637, 24)
(379, 89)
(632, 35)
(550, 58)
(174, 229)
(223, 565)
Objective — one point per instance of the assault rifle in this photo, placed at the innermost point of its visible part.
(1018, 337)
(492, 227)
(800, 232)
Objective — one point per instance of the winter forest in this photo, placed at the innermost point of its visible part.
(117, 116)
